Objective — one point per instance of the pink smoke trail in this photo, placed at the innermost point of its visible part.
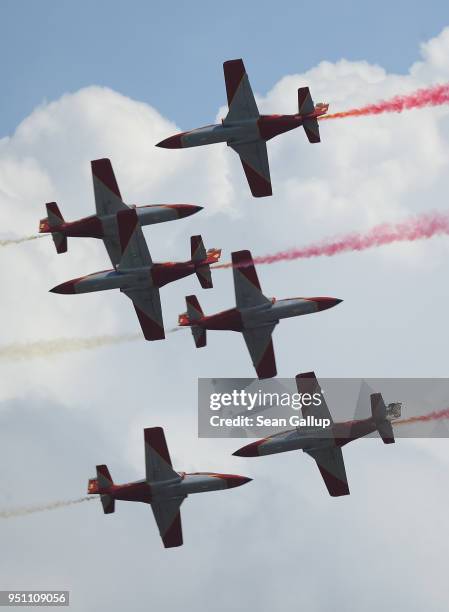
(416, 228)
(430, 96)
(437, 415)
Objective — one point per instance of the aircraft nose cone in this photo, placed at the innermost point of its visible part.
(250, 450)
(67, 288)
(185, 210)
(323, 303)
(173, 142)
(236, 481)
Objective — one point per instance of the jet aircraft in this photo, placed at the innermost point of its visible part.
(163, 488)
(246, 131)
(139, 278)
(324, 445)
(255, 315)
(111, 212)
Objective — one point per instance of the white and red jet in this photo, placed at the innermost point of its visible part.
(246, 131)
(324, 445)
(163, 488)
(110, 212)
(255, 315)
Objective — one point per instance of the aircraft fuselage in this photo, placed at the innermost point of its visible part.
(156, 275)
(186, 484)
(308, 438)
(236, 319)
(96, 226)
(263, 127)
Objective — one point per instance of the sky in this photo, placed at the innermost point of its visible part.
(109, 80)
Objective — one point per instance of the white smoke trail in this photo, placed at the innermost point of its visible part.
(45, 349)
(9, 242)
(15, 512)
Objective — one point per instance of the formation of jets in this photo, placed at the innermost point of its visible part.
(135, 274)
(164, 489)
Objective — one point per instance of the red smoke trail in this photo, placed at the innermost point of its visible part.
(431, 96)
(432, 416)
(416, 228)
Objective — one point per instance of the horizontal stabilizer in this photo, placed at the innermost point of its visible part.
(306, 107)
(54, 215)
(103, 477)
(108, 504)
(53, 220)
(312, 130)
(60, 242)
(191, 317)
(199, 336)
(305, 102)
(204, 276)
(197, 250)
(385, 430)
(379, 414)
(194, 310)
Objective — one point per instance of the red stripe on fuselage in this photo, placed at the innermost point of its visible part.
(352, 430)
(167, 272)
(230, 320)
(89, 227)
(272, 125)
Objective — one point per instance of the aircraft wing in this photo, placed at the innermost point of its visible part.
(308, 383)
(246, 282)
(108, 199)
(132, 246)
(331, 464)
(157, 458)
(168, 519)
(254, 158)
(127, 230)
(260, 347)
(158, 468)
(147, 303)
(241, 102)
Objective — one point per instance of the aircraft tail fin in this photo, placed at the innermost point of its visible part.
(191, 317)
(202, 260)
(53, 220)
(306, 107)
(380, 416)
